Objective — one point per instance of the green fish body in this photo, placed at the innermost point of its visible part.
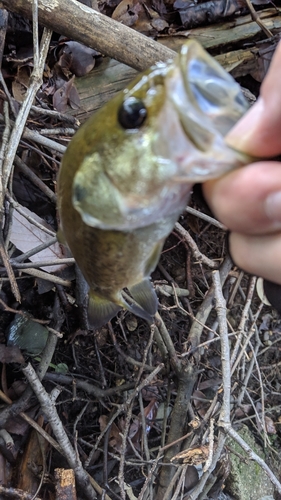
(128, 171)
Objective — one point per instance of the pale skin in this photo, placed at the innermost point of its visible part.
(248, 200)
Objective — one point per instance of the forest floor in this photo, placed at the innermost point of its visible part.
(137, 411)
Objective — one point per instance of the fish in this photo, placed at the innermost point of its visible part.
(127, 174)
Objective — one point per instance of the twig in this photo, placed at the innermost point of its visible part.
(209, 460)
(252, 455)
(42, 110)
(180, 482)
(9, 269)
(43, 263)
(206, 218)
(30, 219)
(129, 404)
(46, 276)
(200, 257)
(34, 179)
(36, 81)
(14, 493)
(127, 358)
(224, 419)
(258, 20)
(225, 351)
(34, 251)
(50, 411)
(244, 317)
(22, 403)
(199, 488)
(95, 30)
(207, 305)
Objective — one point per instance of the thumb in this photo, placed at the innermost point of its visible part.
(258, 133)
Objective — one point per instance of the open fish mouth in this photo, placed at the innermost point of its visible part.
(208, 103)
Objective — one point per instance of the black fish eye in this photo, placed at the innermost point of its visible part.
(132, 113)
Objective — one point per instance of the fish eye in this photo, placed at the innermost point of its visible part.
(132, 113)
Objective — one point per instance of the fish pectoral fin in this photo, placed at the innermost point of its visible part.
(60, 237)
(100, 311)
(144, 294)
(138, 311)
(153, 259)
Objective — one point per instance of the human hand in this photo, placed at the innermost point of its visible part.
(248, 200)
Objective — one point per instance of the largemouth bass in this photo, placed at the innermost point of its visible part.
(127, 174)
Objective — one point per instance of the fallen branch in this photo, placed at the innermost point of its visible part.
(75, 20)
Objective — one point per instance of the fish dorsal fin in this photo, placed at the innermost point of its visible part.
(145, 296)
(100, 311)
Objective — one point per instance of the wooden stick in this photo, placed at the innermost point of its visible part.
(77, 21)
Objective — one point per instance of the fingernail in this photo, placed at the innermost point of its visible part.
(242, 135)
(272, 206)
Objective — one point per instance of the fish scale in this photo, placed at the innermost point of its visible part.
(127, 174)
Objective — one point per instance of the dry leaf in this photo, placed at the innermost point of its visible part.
(193, 456)
(150, 412)
(191, 477)
(66, 94)
(243, 410)
(115, 440)
(150, 392)
(201, 406)
(82, 58)
(10, 354)
(127, 12)
(26, 236)
(270, 426)
(21, 83)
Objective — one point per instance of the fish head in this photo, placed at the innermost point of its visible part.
(203, 103)
(137, 158)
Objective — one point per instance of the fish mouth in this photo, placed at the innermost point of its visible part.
(208, 102)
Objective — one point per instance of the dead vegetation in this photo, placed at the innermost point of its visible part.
(135, 411)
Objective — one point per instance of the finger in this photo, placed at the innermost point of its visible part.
(258, 132)
(244, 199)
(258, 255)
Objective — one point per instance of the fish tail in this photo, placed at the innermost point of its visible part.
(144, 294)
(100, 310)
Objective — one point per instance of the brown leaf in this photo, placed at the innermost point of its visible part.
(74, 99)
(127, 12)
(21, 83)
(62, 96)
(191, 478)
(115, 440)
(134, 429)
(270, 426)
(263, 60)
(16, 389)
(201, 406)
(82, 58)
(193, 456)
(243, 410)
(150, 392)
(214, 383)
(150, 412)
(10, 354)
